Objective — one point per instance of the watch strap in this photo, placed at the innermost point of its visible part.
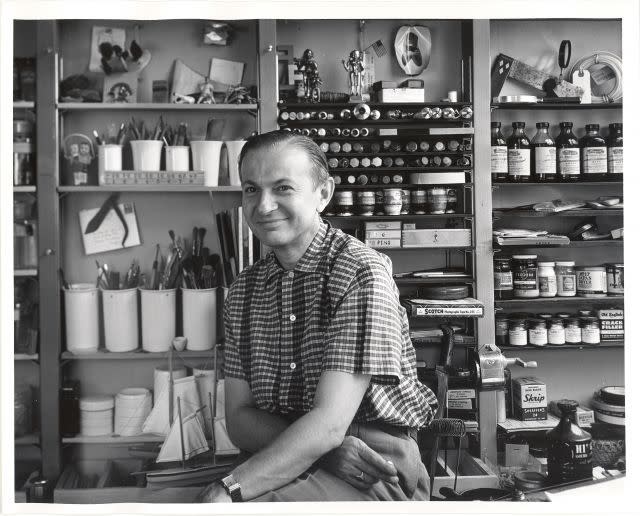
(232, 487)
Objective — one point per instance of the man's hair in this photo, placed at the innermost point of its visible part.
(279, 139)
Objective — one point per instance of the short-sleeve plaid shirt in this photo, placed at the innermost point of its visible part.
(337, 310)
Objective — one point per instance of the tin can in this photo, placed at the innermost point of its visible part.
(366, 201)
(615, 279)
(525, 277)
(591, 281)
(344, 202)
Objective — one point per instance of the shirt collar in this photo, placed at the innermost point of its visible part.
(314, 258)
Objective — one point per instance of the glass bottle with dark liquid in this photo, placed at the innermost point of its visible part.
(567, 154)
(593, 153)
(519, 155)
(499, 169)
(614, 152)
(544, 154)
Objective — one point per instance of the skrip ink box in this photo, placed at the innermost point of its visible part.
(529, 399)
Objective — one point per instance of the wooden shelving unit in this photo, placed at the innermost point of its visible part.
(24, 189)
(149, 189)
(134, 355)
(576, 244)
(566, 347)
(100, 106)
(544, 106)
(569, 301)
(567, 213)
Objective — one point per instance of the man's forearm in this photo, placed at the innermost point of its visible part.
(252, 429)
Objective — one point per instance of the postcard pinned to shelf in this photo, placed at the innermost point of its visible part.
(108, 237)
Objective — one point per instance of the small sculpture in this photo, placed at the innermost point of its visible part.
(355, 67)
(311, 77)
(206, 93)
(120, 92)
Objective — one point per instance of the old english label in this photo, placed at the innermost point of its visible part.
(502, 281)
(545, 160)
(499, 159)
(569, 162)
(519, 162)
(570, 461)
(614, 160)
(594, 160)
(526, 279)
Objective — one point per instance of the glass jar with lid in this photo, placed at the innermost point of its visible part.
(572, 330)
(591, 281)
(543, 154)
(593, 154)
(517, 332)
(525, 276)
(566, 279)
(502, 278)
(538, 335)
(556, 333)
(590, 329)
(547, 279)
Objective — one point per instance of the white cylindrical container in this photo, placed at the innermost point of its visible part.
(392, 201)
(206, 157)
(96, 415)
(591, 281)
(556, 332)
(176, 158)
(233, 152)
(547, 279)
(566, 279)
(81, 318)
(146, 155)
(120, 315)
(132, 408)
(161, 378)
(158, 309)
(199, 318)
(109, 158)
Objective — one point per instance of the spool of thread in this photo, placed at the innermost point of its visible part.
(96, 415)
(161, 378)
(132, 408)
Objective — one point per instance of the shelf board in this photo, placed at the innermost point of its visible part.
(149, 106)
(338, 106)
(24, 189)
(422, 248)
(400, 217)
(495, 186)
(133, 355)
(25, 272)
(432, 281)
(21, 357)
(514, 303)
(402, 169)
(372, 186)
(407, 122)
(25, 440)
(567, 213)
(566, 347)
(572, 245)
(148, 188)
(553, 107)
(24, 104)
(384, 154)
(113, 439)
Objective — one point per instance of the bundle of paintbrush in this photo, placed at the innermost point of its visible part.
(200, 268)
(138, 130)
(176, 137)
(170, 277)
(110, 279)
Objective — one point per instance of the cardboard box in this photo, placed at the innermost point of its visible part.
(401, 95)
(387, 233)
(436, 237)
(383, 243)
(584, 417)
(611, 324)
(383, 225)
(529, 399)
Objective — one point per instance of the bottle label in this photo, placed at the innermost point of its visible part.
(591, 335)
(545, 160)
(517, 337)
(499, 159)
(569, 162)
(548, 285)
(567, 284)
(538, 336)
(573, 334)
(525, 279)
(594, 160)
(556, 335)
(502, 281)
(519, 162)
(614, 160)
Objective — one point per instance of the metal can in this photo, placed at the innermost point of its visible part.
(366, 201)
(615, 279)
(591, 281)
(525, 277)
(344, 202)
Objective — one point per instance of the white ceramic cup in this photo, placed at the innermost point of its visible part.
(206, 157)
(146, 155)
(176, 158)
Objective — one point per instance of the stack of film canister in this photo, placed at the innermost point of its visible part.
(132, 408)
(608, 432)
(96, 415)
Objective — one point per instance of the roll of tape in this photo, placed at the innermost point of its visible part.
(361, 111)
(446, 293)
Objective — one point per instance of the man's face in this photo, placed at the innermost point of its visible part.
(279, 198)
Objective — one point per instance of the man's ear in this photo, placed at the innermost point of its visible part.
(326, 193)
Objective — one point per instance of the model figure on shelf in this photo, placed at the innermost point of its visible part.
(311, 77)
(355, 67)
(206, 93)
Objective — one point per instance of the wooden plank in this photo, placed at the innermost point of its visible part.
(99, 106)
(267, 76)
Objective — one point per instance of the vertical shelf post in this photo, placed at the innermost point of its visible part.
(48, 245)
(267, 76)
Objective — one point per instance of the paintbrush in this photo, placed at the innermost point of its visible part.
(154, 270)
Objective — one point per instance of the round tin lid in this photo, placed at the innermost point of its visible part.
(97, 402)
(613, 395)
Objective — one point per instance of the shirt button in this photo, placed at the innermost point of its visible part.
(292, 317)
(292, 365)
(290, 274)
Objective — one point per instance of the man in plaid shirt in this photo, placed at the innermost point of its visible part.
(320, 375)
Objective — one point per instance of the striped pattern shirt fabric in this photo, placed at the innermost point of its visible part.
(337, 310)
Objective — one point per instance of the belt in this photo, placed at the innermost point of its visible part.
(394, 430)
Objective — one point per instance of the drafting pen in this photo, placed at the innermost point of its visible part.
(97, 137)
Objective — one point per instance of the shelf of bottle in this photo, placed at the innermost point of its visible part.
(407, 217)
(576, 300)
(23, 357)
(571, 245)
(616, 212)
(339, 106)
(26, 440)
(113, 439)
(24, 104)
(439, 170)
(24, 189)
(401, 282)
(405, 137)
(133, 355)
(149, 188)
(374, 186)
(558, 183)
(368, 122)
(554, 107)
(150, 106)
(566, 347)
(383, 154)
(25, 273)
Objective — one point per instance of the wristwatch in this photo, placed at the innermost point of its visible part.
(232, 488)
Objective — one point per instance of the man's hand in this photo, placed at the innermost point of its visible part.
(357, 464)
(213, 493)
